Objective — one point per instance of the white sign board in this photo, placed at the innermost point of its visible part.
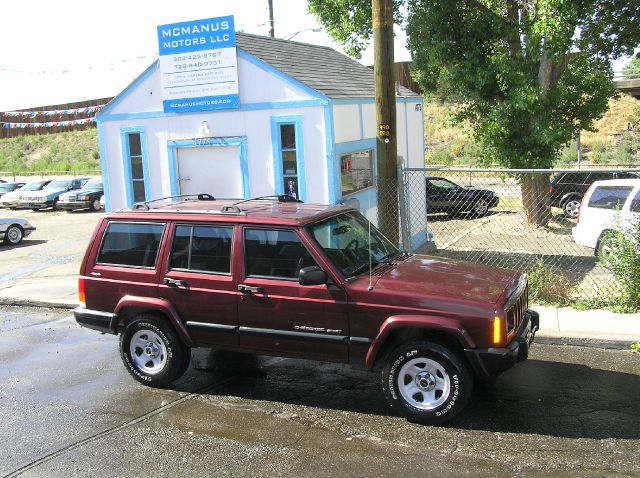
(198, 65)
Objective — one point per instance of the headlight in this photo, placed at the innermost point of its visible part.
(86, 198)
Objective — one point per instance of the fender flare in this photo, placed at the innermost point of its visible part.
(452, 327)
(565, 197)
(158, 305)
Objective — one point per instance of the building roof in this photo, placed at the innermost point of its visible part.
(319, 67)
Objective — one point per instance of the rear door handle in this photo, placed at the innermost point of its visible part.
(176, 282)
(248, 288)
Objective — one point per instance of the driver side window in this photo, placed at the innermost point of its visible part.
(275, 253)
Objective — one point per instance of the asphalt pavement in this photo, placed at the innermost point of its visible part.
(43, 272)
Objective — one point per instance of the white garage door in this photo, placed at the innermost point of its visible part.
(214, 170)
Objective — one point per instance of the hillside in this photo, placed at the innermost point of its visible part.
(615, 141)
(72, 151)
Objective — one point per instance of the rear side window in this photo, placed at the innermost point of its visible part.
(609, 197)
(202, 248)
(130, 244)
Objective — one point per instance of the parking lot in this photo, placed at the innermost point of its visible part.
(69, 408)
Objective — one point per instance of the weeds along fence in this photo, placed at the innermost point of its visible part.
(479, 215)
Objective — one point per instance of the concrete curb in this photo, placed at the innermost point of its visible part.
(584, 342)
(36, 303)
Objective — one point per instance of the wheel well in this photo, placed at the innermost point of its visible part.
(403, 335)
(569, 196)
(127, 314)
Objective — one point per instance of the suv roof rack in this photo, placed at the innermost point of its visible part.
(234, 209)
(200, 197)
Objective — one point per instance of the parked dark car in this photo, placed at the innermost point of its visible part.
(50, 194)
(8, 187)
(88, 197)
(566, 189)
(311, 281)
(444, 195)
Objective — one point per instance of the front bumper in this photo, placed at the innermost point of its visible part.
(36, 204)
(488, 363)
(74, 204)
(104, 322)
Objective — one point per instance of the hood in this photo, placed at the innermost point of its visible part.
(441, 278)
(44, 193)
(81, 192)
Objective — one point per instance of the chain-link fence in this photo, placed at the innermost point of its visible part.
(517, 219)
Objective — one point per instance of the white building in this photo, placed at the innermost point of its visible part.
(305, 125)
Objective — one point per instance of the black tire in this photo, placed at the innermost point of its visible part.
(439, 390)
(54, 205)
(480, 207)
(95, 205)
(13, 235)
(571, 206)
(152, 352)
(604, 249)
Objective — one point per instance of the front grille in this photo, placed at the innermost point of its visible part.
(515, 314)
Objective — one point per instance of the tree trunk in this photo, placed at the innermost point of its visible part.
(535, 198)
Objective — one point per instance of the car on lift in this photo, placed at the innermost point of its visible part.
(50, 194)
(443, 195)
(88, 197)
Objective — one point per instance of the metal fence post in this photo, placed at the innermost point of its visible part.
(405, 233)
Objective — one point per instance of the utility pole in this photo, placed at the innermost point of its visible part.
(272, 32)
(386, 139)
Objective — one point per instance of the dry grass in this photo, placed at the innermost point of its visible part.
(613, 123)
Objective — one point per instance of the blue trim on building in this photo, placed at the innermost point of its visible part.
(126, 158)
(372, 100)
(276, 148)
(351, 146)
(103, 166)
(333, 172)
(103, 113)
(243, 107)
(172, 155)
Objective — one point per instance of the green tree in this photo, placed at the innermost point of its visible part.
(632, 69)
(527, 73)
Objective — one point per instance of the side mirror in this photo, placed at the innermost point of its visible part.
(312, 275)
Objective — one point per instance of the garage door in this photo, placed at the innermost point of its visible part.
(215, 170)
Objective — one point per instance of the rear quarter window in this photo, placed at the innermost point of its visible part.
(609, 197)
(130, 244)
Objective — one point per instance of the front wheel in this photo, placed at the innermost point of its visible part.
(426, 382)
(13, 235)
(95, 205)
(152, 352)
(480, 207)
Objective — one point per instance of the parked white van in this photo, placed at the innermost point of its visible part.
(607, 206)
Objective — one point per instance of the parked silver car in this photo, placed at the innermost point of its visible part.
(13, 230)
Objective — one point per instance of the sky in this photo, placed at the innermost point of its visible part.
(64, 51)
(73, 50)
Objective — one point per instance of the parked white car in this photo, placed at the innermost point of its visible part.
(13, 199)
(606, 207)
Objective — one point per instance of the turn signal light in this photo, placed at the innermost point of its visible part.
(81, 296)
(497, 330)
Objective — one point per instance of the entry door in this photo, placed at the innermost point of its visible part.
(279, 316)
(214, 170)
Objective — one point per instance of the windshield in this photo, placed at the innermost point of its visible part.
(93, 184)
(4, 187)
(345, 240)
(34, 186)
(59, 184)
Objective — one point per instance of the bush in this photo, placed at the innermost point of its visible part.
(620, 251)
(547, 286)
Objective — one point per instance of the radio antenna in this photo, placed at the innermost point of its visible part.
(370, 288)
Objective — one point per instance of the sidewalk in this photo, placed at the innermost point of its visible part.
(43, 271)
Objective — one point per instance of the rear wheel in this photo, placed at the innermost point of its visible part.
(571, 207)
(13, 235)
(152, 352)
(426, 382)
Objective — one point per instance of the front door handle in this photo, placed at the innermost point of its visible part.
(176, 282)
(248, 288)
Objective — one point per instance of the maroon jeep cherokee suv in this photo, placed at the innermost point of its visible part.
(278, 277)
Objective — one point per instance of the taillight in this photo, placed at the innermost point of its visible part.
(550, 188)
(81, 296)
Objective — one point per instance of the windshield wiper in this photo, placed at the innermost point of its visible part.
(361, 269)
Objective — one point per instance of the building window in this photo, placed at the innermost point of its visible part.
(289, 155)
(356, 171)
(134, 143)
